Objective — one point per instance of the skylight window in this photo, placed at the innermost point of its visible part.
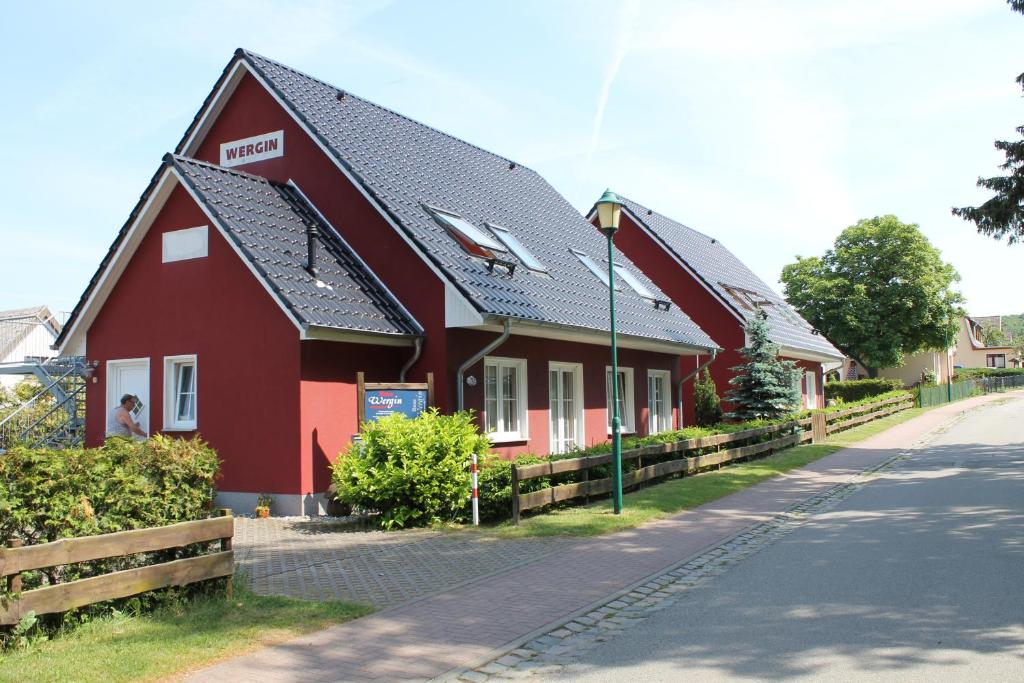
(597, 270)
(746, 298)
(634, 282)
(467, 232)
(517, 248)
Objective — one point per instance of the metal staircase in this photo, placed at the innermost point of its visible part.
(55, 416)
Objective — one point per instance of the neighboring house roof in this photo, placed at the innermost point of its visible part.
(731, 281)
(405, 166)
(266, 223)
(16, 325)
(974, 332)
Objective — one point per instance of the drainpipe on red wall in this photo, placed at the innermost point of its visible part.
(687, 378)
(412, 361)
(459, 398)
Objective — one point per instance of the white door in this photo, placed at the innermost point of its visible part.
(129, 377)
(812, 390)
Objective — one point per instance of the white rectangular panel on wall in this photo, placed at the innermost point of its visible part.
(180, 245)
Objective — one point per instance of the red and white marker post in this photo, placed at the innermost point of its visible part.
(476, 492)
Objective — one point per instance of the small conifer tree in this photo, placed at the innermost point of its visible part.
(765, 387)
(707, 407)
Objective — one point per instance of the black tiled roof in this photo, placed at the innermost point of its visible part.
(268, 223)
(404, 165)
(722, 271)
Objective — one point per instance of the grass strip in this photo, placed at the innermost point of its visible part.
(171, 640)
(676, 495)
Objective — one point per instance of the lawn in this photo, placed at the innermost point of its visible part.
(676, 495)
(172, 640)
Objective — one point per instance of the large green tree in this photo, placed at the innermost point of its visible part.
(1003, 214)
(882, 292)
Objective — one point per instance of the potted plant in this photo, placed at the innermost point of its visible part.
(263, 502)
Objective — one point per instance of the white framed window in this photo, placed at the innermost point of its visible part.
(659, 401)
(627, 411)
(467, 231)
(634, 282)
(180, 383)
(505, 399)
(565, 393)
(517, 248)
(810, 383)
(599, 272)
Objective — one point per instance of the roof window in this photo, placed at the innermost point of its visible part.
(634, 282)
(478, 242)
(517, 248)
(594, 268)
(746, 298)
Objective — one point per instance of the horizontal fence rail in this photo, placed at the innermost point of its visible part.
(785, 435)
(61, 597)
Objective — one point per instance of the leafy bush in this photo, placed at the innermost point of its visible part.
(46, 495)
(413, 471)
(961, 374)
(855, 390)
(707, 406)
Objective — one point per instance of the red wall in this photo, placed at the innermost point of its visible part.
(538, 353)
(252, 111)
(329, 406)
(247, 395)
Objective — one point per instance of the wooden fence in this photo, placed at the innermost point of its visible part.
(120, 584)
(789, 434)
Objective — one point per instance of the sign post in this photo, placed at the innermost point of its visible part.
(380, 399)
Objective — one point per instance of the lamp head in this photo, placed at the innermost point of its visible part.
(609, 211)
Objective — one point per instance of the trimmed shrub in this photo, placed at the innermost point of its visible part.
(855, 390)
(495, 484)
(413, 471)
(707, 407)
(47, 495)
(961, 374)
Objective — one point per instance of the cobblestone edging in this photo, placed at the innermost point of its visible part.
(558, 650)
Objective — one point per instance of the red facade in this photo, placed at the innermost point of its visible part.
(279, 409)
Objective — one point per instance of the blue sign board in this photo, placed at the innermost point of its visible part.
(378, 403)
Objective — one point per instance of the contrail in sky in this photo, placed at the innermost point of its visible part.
(622, 44)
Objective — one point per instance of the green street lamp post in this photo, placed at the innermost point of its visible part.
(609, 210)
(949, 363)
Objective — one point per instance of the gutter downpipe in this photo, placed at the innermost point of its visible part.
(686, 379)
(459, 398)
(412, 361)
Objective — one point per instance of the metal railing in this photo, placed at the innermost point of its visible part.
(991, 385)
(55, 415)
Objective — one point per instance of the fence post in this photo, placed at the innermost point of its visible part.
(819, 427)
(14, 580)
(515, 494)
(225, 545)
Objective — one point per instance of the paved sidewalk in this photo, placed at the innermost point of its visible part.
(465, 627)
(324, 560)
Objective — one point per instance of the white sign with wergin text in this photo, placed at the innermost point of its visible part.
(249, 150)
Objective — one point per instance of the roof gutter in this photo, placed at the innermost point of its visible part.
(688, 377)
(459, 391)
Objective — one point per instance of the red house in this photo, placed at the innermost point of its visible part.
(718, 292)
(300, 235)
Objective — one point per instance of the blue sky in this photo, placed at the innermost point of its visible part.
(769, 125)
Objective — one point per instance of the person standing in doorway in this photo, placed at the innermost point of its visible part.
(121, 422)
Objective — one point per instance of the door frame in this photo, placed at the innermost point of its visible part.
(112, 399)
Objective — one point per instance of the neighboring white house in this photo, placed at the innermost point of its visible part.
(26, 334)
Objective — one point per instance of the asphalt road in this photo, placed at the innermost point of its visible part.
(918, 576)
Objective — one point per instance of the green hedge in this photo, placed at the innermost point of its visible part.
(973, 373)
(855, 390)
(46, 495)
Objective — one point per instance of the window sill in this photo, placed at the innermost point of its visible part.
(179, 428)
(623, 432)
(507, 438)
